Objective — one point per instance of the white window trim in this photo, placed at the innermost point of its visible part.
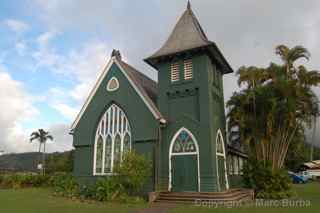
(110, 81)
(113, 133)
(219, 134)
(183, 153)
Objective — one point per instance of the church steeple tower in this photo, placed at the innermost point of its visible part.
(190, 97)
(188, 35)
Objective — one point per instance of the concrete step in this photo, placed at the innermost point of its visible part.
(202, 196)
(233, 195)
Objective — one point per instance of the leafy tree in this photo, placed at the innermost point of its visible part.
(41, 136)
(275, 106)
(60, 162)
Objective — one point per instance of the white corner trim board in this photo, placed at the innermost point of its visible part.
(97, 85)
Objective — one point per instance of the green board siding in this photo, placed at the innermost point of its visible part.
(144, 127)
(84, 153)
(127, 98)
(147, 148)
(198, 106)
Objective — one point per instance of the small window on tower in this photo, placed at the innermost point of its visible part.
(188, 74)
(175, 76)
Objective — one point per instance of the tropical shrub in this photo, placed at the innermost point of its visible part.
(133, 172)
(267, 183)
(23, 181)
(87, 192)
(65, 185)
(108, 188)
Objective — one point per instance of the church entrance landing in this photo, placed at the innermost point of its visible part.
(184, 163)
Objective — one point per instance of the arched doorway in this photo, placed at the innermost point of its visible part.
(221, 164)
(184, 172)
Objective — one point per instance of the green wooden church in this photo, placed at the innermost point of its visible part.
(178, 122)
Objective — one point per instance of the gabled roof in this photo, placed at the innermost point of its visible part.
(188, 35)
(144, 86)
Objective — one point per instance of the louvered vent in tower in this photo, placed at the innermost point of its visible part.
(175, 72)
(188, 69)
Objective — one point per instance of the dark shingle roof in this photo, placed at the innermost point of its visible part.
(189, 35)
(148, 85)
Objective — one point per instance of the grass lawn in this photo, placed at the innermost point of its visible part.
(309, 192)
(41, 201)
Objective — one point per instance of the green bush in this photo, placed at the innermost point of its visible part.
(267, 184)
(65, 185)
(87, 192)
(128, 179)
(108, 188)
(133, 172)
(23, 181)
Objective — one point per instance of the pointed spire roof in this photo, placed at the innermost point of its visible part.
(187, 35)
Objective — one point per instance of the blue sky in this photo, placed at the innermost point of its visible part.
(51, 52)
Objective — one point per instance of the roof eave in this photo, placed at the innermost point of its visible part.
(212, 47)
(152, 59)
(224, 63)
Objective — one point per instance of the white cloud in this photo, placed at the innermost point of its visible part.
(66, 110)
(15, 108)
(17, 25)
(21, 47)
(44, 39)
(85, 65)
(45, 55)
(62, 140)
(82, 65)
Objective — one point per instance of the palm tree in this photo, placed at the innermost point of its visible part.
(275, 106)
(41, 136)
(289, 56)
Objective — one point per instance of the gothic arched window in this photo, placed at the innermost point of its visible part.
(184, 143)
(113, 138)
(220, 148)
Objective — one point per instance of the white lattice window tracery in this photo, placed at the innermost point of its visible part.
(113, 138)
